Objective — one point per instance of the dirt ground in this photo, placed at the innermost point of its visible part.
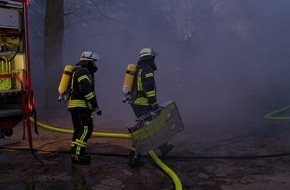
(243, 158)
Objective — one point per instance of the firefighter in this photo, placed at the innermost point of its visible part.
(144, 97)
(82, 102)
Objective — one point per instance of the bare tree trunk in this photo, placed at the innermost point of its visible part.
(53, 49)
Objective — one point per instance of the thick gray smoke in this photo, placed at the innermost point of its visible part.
(223, 62)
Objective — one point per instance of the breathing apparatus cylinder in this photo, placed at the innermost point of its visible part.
(128, 81)
(65, 81)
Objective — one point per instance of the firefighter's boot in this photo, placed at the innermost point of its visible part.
(78, 158)
(165, 148)
(81, 160)
(134, 159)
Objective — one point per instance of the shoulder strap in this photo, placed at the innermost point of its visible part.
(134, 86)
(71, 83)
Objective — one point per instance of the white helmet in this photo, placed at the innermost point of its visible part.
(146, 52)
(90, 55)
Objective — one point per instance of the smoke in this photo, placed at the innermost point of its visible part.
(224, 63)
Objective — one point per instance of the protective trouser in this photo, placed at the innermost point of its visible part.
(139, 111)
(83, 128)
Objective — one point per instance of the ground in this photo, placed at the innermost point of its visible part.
(239, 158)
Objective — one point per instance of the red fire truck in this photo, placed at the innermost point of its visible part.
(16, 98)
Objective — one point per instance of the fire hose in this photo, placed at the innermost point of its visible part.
(166, 169)
(273, 115)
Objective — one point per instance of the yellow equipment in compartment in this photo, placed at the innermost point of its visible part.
(64, 82)
(5, 74)
(128, 81)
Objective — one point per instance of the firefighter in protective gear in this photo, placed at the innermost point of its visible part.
(144, 97)
(82, 103)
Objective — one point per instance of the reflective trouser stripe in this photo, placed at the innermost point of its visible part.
(80, 142)
(133, 148)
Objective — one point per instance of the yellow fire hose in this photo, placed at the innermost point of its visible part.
(273, 115)
(94, 134)
(167, 170)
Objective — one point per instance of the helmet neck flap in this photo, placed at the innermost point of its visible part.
(88, 64)
(148, 60)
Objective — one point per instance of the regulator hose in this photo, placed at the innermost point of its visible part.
(174, 177)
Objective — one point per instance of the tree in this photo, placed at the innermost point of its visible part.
(53, 49)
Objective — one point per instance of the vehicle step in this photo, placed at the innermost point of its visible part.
(6, 142)
(10, 112)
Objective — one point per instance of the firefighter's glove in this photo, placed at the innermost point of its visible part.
(155, 111)
(94, 104)
(155, 107)
(99, 112)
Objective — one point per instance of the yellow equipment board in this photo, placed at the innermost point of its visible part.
(156, 128)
